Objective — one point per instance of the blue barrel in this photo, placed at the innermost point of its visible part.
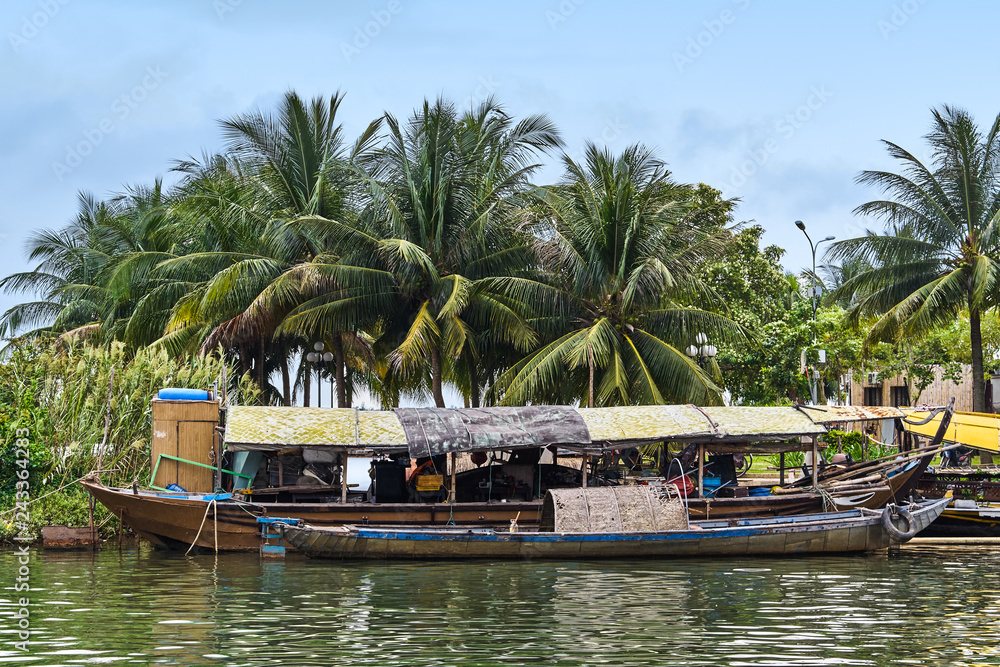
(180, 394)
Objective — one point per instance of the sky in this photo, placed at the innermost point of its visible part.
(779, 104)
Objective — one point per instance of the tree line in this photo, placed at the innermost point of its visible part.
(421, 253)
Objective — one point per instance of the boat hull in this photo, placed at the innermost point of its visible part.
(178, 520)
(983, 520)
(835, 533)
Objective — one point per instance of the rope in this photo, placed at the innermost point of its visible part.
(829, 503)
(210, 505)
(35, 500)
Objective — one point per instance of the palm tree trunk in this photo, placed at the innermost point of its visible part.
(260, 370)
(338, 360)
(286, 384)
(590, 362)
(474, 398)
(978, 384)
(306, 382)
(436, 376)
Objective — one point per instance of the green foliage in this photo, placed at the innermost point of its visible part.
(59, 397)
(940, 253)
(621, 241)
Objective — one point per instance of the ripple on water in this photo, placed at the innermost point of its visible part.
(146, 607)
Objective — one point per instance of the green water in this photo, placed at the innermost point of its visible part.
(916, 607)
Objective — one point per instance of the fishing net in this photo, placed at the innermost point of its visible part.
(613, 509)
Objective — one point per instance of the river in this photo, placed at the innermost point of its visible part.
(915, 606)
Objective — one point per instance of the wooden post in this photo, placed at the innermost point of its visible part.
(583, 468)
(781, 469)
(452, 463)
(217, 444)
(343, 476)
(93, 529)
(815, 470)
(701, 470)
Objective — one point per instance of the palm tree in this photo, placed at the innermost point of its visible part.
(434, 260)
(622, 242)
(938, 256)
(93, 272)
(279, 168)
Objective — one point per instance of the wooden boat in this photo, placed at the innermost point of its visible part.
(885, 482)
(966, 518)
(831, 533)
(236, 519)
(178, 520)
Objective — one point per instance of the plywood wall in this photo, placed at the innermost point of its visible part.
(186, 430)
(937, 393)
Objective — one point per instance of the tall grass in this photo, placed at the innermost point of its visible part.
(86, 408)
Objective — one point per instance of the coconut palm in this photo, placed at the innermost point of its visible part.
(80, 275)
(938, 256)
(280, 167)
(622, 242)
(433, 261)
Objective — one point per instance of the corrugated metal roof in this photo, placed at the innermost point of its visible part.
(753, 423)
(830, 414)
(645, 423)
(268, 427)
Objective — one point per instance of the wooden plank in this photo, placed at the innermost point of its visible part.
(184, 429)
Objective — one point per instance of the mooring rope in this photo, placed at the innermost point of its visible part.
(46, 495)
(210, 505)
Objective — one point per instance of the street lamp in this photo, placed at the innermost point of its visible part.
(702, 350)
(317, 358)
(812, 291)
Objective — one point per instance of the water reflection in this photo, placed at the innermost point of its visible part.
(919, 606)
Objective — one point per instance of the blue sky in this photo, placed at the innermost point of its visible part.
(778, 103)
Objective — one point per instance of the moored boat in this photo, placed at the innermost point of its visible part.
(830, 533)
(258, 488)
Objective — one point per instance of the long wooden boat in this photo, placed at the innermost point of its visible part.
(225, 521)
(177, 520)
(228, 521)
(832, 533)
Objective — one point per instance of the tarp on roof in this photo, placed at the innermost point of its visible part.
(270, 428)
(433, 431)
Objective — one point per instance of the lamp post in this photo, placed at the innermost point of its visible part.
(703, 351)
(317, 358)
(812, 291)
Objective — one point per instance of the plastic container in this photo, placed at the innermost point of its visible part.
(180, 394)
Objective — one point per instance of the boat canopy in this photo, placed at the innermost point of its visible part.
(422, 431)
(973, 429)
